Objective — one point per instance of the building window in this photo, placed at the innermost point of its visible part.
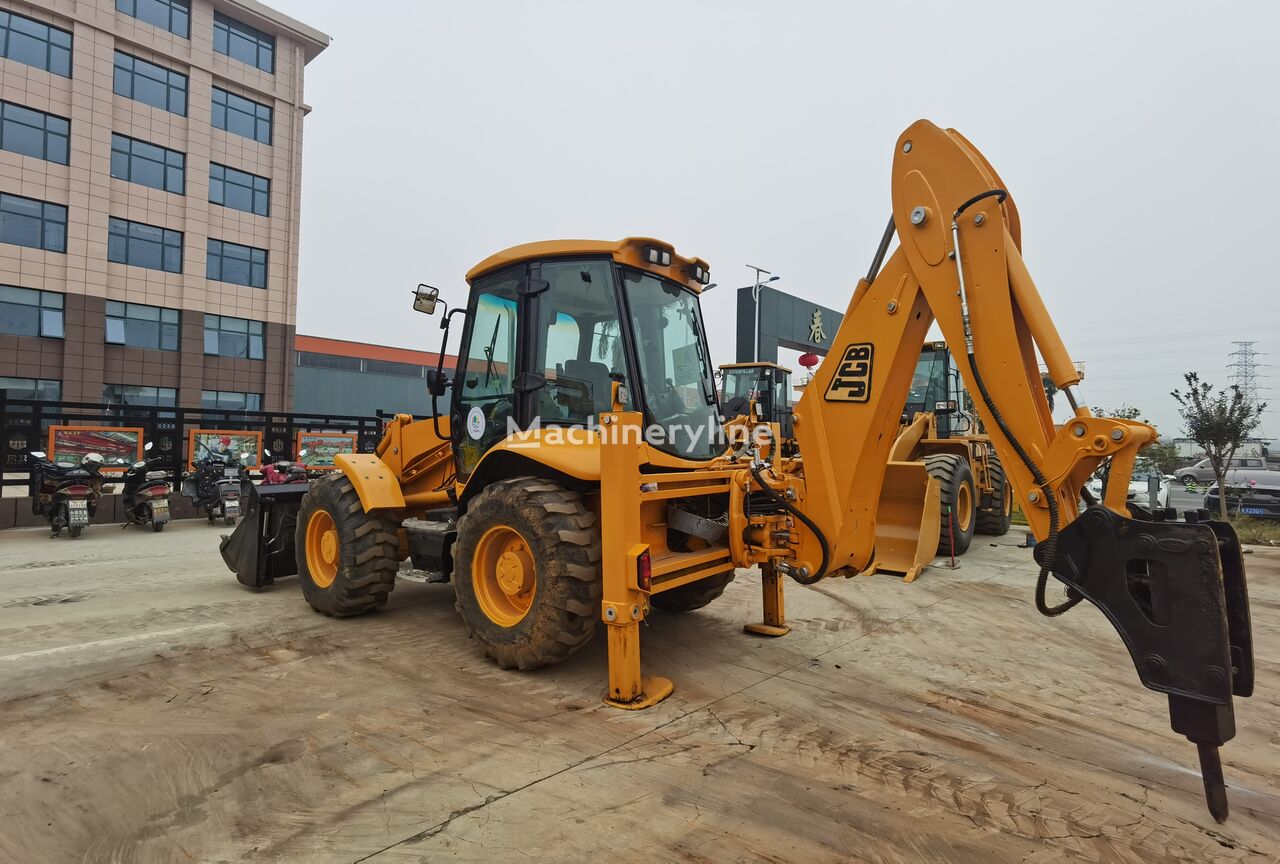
(28, 222)
(140, 245)
(35, 43)
(138, 326)
(27, 312)
(233, 337)
(328, 361)
(40, 389)
(148, 164)
(239, 265)
(34, 133)
(239, 190)
(241, 116)
(171, 15)
(154, 85)
(244, 43)
(128, 394)
(228, 400)
(391, 367)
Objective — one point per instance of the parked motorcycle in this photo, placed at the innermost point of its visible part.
(215, 485)
(283, 471)
(146, 494)
(64, 493)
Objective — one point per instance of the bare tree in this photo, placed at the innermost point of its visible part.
(1218, 422)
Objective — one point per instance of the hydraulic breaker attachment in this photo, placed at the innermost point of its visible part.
(907, 521)
(1176, 594)
(261, 549)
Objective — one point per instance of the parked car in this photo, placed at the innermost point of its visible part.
(1139, 488)
(1260, 502)
(1240, 471)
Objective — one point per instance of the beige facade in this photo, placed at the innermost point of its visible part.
(82, 360)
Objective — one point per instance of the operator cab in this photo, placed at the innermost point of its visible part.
(555, 331)
(767, 384)
(936, 387)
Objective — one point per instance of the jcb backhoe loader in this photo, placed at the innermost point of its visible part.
(579, 476)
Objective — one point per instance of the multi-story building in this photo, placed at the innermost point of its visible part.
(150, 170)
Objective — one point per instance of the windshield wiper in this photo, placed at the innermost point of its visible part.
(488, 352)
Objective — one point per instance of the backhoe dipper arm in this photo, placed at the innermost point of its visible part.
(1174, 591)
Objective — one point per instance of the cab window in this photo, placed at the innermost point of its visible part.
(578, 345)
(486, 397)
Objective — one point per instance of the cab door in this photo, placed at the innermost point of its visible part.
(485, 400)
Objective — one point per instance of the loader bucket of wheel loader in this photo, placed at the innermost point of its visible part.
(261, 548)
(907, 521)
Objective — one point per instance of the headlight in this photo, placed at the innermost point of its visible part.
(654, 255)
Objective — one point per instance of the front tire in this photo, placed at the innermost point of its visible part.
(347, 559)
(955, 480)
(997, 506)
(527, 572)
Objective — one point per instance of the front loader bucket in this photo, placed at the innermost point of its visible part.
(907, 521)
(261, 548)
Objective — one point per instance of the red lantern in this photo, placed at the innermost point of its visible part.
(809, 360)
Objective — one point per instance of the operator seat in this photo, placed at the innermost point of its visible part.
(596, 375)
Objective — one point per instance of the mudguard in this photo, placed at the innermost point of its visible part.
(261, 549)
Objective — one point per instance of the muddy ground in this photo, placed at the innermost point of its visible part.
(154, 710)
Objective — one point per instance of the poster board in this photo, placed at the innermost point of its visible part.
(112, 443)
(202, 441)
(321, 447)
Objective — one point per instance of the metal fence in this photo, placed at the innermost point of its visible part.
(24, 424)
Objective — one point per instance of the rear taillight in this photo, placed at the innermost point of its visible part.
(75, 490)
(644, 571)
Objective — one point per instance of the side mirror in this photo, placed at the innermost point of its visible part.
(437, 382)
(425, 299)
(244, 457)
(266, 452)
(39, 454)
(147, 446)
(302, 452)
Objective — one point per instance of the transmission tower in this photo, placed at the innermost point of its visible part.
(1246, 366)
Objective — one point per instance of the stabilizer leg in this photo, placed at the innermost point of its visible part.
(774, 623)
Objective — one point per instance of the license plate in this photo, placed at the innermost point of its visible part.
(1253, 511)
(161, 507)
(78, 505)
(231, 508)
(231, 472)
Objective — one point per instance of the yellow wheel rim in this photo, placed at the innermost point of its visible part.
(323, 552)
(504, 576)
(964, 507)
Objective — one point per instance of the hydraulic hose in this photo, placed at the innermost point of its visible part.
(1050, 553)
(808, 523)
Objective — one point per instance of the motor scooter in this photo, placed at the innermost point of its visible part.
(146, 494)
(65, 493)
(216, 484)
(283, 471)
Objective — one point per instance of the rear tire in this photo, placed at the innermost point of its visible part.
(955, 480)
(157, 527)
(997, 506)
(347, 559)
(527, 572)
(693, 596)
(75, 531)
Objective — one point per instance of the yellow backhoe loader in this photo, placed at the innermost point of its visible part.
(579, 476)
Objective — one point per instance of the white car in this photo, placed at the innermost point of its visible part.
(1139, 490)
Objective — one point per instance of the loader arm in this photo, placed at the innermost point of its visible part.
(1174, 591)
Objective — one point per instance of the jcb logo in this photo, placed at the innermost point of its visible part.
(852, 381)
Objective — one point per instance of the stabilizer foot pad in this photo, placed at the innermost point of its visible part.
(653, 689)
(762, 629)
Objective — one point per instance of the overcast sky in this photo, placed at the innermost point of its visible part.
(1141, 142)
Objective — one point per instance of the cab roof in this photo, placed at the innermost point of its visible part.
(629, 250)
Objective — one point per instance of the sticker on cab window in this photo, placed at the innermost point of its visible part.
(475, 422)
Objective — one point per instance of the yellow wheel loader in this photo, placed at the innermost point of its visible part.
(579, 477)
